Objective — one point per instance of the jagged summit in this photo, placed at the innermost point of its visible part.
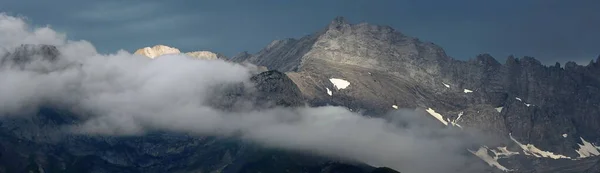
(158, 50)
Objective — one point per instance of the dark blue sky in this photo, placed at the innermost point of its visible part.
(550, 30)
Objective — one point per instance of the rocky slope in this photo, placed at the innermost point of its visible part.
(547, 116)
(36, 142)
(158, 50)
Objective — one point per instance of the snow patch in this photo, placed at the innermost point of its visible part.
(587, 149)
(484, 155)
(446, 85)
(531, 150)
(564, 135)
(436, 115)
(339, 83)
(499, 109)
(394, 106)
(459, 115)
(519, 99)
(329, 92)
(467, 91)
(527, 104)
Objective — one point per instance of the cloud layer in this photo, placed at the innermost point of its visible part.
(125, 94)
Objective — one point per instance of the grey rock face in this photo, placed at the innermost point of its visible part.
(547, 106)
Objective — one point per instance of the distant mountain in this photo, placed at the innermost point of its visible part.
(158, 50)
(548, 117)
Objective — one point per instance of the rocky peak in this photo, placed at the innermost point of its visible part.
(158, 50)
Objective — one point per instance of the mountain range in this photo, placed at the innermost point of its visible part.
(543, 119)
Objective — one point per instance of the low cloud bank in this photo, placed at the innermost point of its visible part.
(125, 94)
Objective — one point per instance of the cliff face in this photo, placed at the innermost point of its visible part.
(555, 109)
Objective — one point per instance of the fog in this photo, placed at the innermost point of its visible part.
(123, 94)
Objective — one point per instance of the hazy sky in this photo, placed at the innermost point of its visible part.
(550, 30)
